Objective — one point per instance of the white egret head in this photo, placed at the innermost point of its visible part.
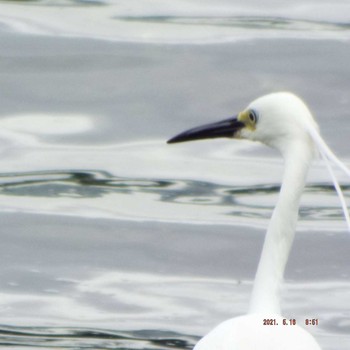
(279, 120)
(275, 120)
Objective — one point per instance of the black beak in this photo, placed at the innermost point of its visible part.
(224, 128)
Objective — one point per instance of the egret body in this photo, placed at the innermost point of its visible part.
(282, 121)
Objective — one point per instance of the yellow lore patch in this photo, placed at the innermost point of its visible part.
(248, 118)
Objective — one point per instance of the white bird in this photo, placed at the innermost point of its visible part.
(282, 121)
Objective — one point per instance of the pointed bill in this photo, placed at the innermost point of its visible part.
(225, 128)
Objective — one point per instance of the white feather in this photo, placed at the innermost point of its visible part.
(327, 154)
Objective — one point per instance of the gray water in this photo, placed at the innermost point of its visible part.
(112, 239)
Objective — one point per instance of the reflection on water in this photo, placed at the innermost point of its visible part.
(243, 22)
(191, 22)
(73, 184)
(188, 305)
(187, 199)
(72, 338)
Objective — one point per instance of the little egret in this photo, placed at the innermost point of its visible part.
(282, 121)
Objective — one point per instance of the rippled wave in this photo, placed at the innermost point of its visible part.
(74, 338)
(243, 22)
(333, 319)
(250, 205)
(177, 23)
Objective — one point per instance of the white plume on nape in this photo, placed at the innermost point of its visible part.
(328, 155)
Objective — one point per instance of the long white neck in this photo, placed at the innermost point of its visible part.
(281, 230)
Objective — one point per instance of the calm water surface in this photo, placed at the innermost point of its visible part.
(111, 239)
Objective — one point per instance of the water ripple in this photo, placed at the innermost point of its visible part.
(176, 23)
(163, 200)
(74, 338)
(243, 22)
